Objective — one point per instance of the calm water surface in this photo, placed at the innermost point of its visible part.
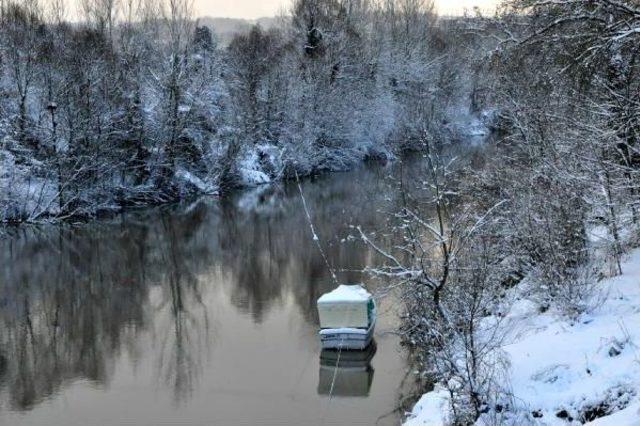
(201, 314)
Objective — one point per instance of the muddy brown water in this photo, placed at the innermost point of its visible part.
(199, 314)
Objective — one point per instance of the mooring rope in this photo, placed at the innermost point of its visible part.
(334, 277)
(316, 239)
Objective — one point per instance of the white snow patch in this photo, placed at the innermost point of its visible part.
(251, 173)
(346, 294)
(581, 370)
(475, 128)
(254, 177)
(431, 409)
(630, 416)
(202, 186)
(343, 330)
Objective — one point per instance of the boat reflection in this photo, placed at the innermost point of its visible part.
(346, 373)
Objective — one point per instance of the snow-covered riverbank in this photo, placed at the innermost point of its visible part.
(561, 373)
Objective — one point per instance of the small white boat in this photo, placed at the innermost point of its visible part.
(348, 317)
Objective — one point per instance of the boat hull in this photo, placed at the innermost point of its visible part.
(342, 339)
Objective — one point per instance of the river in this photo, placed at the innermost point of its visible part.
(198, 314)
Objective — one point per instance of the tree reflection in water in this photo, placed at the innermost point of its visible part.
(74, 300)
(68, 300)
(183, 320)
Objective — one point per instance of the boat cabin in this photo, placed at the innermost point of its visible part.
(348, 306)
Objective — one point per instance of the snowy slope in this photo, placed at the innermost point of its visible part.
(563, 373)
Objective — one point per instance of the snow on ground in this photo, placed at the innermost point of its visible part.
(628, 416)
(251, 173)
(571, 373)
(23, 195)
(189, 178)
(431, 410)
(474, 128)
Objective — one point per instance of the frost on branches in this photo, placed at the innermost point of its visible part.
(136, 103)
(564, 84)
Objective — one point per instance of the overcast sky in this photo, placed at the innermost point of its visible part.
(252, 9)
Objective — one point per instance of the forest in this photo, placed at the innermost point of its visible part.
(136, 103)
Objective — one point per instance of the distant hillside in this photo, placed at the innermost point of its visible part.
(226, 28)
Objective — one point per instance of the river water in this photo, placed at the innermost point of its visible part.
(199, 314)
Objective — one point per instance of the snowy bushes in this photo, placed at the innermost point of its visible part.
(8, 207)
(611, 401)
(26, 190)
(571, 291)
(445, 260)
(566, 168)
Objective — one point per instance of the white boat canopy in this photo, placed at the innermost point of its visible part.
(346, 294)
(348, 306)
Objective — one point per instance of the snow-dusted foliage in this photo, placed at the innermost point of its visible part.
(581, 372)
(445, 262)
(563, 82)
(139, 104)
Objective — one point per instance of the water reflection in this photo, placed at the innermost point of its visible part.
(346, 373)
(69, 304)
(183, 319)
(151, 293)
